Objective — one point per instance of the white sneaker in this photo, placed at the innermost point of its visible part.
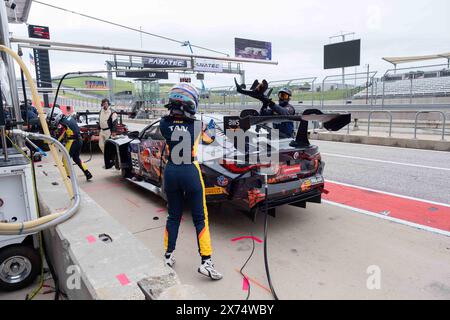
(169, 261)
(207, 269)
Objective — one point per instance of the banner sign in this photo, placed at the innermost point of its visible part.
(41, 59)
(160, 62)
(143, 75)
(96, 84)
(204, 65)
(252, 49)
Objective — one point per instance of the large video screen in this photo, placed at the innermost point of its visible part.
(343, 54)
(252, 49)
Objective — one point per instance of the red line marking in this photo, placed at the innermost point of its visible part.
(245, 284)
(123, 279)
(91, 239)
(255, 282)
(161, 210)
(415, 211)
(247, 237)
(101, 187)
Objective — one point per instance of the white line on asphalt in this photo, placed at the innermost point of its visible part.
(376, 215)
(383, 161)
(381, 147)
(390, 194)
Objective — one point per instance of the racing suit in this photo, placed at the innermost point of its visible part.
(71, 133)
(183, 181)
(285, 109)
(107, 122)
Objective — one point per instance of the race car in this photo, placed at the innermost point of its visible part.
(89, 126)
(295, 178)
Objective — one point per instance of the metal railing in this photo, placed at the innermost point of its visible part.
(443, 117)
(390, 122)
(347, 90)
(427, 112)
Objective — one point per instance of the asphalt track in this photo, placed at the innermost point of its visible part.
(387, 214)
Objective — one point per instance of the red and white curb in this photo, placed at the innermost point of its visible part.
(418, 213)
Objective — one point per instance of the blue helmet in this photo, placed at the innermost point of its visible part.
(184, 97)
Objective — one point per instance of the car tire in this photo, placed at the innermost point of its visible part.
(26, 263)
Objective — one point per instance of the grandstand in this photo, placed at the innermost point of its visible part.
(418, 84)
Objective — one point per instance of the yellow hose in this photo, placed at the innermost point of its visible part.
(42, 116)
(19, 227)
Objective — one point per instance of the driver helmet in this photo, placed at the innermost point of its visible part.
(56, 118)
(285, 94)
(184, 98)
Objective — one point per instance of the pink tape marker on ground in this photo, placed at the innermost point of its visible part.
(91, 239)
(245, 284)
(123, 279)
(247, 237)
(161, 210)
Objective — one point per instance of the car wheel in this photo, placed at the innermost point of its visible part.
(19, 267)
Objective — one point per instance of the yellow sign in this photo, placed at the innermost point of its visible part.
(214, 191)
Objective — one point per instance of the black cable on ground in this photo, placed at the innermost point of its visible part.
(245, 264)
(90, 148)
(266, 218)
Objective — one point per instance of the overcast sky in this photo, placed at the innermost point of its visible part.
(297, 29)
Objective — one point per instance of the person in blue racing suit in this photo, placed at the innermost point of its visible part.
(70, 132)
(283, 108)
(183, 179)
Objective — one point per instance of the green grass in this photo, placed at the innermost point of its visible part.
(122, 85)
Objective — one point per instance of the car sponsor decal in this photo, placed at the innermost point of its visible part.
(255, 196)
(306, 185)
(146, 159)
(310, 182)
(214, 191)
(222, 181)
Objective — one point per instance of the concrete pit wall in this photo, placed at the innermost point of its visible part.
(91, 269)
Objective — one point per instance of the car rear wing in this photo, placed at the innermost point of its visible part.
(331, 122)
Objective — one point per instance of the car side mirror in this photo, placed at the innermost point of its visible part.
(133, 134)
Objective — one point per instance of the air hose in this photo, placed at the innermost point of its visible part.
(30, 227)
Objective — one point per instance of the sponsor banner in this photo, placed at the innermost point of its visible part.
(204, 65)
(161, 62)
(95, 84)
(252, 49)
(143, 75)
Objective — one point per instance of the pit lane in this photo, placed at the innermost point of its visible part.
(322, 252)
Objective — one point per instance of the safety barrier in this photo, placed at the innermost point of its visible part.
(390, 122)
(426, 112)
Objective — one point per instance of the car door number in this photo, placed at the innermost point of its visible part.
(135, 161)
